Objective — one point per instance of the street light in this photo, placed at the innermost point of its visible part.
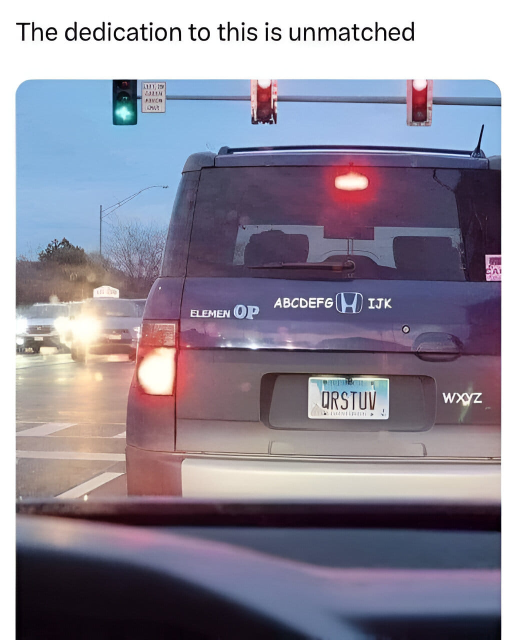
(104, 213)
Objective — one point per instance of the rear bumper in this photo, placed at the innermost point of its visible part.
(255, 477)
(39, 340)
(107, 348)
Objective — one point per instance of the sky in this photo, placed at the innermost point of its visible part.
(71, 159)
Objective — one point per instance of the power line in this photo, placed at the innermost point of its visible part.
(103, 213)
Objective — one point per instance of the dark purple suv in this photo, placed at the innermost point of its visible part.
(326, 324)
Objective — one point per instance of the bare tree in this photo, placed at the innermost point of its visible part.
(136, 248)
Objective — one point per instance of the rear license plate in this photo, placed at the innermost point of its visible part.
(361, 398)
(114, 336)
(38, 339)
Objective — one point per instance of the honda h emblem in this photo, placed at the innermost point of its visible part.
(349, 302)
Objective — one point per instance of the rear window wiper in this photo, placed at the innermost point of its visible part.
(347, 265)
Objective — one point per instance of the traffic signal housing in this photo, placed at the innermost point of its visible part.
(124, 102)
(419, 103)
(264, 98)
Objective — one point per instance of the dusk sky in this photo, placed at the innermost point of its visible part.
(71, 159)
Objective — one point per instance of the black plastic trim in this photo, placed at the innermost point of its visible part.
(186, 512)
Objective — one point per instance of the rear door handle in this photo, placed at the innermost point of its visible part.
(438, 357)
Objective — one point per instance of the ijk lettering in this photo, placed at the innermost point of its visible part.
(379, 303)
(464, 398)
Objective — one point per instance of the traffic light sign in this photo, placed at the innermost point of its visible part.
(124, 102)
(419, 103)
(264, 97)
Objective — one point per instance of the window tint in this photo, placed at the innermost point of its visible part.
(178, 238)
(294, 222)
(479, 206)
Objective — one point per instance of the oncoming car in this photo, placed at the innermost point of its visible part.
(105, 326)
(41, 325)
(326, 325)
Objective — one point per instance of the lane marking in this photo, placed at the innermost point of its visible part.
(120, 435)
(89, 485)
(45, 429)
(72, 455)
(43, 362)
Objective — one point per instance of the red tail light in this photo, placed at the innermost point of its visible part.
(351, 181)
(156, 358)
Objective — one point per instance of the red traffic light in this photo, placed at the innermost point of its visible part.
(264, 97)
(419, 102)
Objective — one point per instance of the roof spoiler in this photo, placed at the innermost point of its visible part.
(494, 163)
(229, 151)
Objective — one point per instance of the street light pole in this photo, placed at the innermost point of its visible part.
(103, 213)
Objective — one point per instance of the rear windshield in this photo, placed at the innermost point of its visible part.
(111, 308)
(333, 223)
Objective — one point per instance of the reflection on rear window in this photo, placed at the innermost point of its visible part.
(293, 222)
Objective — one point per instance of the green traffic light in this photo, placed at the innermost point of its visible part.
(124, 102)
(125, 115)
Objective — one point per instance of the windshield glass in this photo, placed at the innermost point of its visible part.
(330, 223)
(111, 308)
(303, 311)
(47, 311)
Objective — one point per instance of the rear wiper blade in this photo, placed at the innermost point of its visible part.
(347, 265)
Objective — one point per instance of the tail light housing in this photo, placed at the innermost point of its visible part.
(156, 358)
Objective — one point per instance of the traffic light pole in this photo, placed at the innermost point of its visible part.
(100, 232)
(458, 101)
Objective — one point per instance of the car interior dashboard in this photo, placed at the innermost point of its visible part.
(162, 568)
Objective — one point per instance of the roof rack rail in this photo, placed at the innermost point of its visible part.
(333, 147)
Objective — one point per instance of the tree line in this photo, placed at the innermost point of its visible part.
(130, 262)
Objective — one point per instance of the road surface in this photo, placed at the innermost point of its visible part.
(70, 426)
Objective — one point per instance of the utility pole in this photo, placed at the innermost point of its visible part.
(103, 213)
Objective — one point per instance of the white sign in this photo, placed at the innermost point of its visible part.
(153, 97)
(493, 268)
(105, 292)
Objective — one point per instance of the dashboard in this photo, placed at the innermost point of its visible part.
(174, 568)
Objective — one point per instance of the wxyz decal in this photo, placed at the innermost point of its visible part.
(464, 398)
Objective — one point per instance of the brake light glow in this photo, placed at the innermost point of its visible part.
(351, 181)
(156, 358)
(157, 371)
(86, 329)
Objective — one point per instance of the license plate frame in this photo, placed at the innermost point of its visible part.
(373, 395)
(38, 338)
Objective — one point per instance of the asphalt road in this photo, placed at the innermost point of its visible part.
(70, 426)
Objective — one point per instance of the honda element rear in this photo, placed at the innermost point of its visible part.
(326, 325)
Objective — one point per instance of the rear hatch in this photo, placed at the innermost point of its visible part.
(341, 310)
